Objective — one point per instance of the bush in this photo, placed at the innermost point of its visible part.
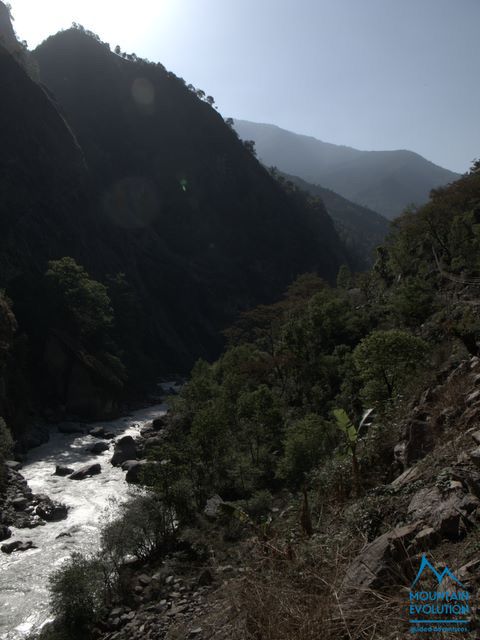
(307, 443)
(78, 595)
(144, 528)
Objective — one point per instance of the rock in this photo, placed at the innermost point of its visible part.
(14, 465)
(469, 571)
(476, 437)
(426, 538)
(109, 435)
(70, 427)
(473, 397)
(455, 485)
(144, 580)
(212, 507)
(64, 534)
(125, 449)
(134, 470)
(51, 511)
(10, 547)
(196, 632)
(62, 471)
(380, 562)
(98, 447)
(407, 477)
(475, 456)
(97, 432)
(19, 504)
(5, 532)
(85, 472)
(445, 516)
(159, 423)
(205, 578)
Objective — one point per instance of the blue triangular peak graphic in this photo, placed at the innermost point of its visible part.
(439, 576)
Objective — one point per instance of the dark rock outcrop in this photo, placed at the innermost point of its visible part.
(125, 449)
(62, 471)
(86, 472)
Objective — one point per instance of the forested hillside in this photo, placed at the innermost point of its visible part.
(161, 223)
(337, 421)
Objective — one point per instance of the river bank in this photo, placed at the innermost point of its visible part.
(90, 502)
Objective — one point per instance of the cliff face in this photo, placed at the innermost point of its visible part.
(117, 164)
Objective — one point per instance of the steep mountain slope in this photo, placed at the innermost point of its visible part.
(361, 229)
(385, 181)
(148, 181)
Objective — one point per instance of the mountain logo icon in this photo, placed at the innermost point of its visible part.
(425, 564)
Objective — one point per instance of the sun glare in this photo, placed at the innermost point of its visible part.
(114, 22)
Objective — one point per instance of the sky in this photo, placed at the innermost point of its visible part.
(371, 74)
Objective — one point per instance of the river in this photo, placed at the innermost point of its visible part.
(24, 575)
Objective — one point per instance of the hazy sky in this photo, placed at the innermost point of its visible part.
(372, 74)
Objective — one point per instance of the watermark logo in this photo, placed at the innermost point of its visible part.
(445, 608)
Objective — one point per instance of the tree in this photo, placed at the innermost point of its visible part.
(344, 277)
(307, 442)
(210, 100)
(250, 146)
(386, 361)
(77, 595)
(81, 304)
(118, 51)
(352, 436)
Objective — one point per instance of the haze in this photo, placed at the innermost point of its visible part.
(372, 74)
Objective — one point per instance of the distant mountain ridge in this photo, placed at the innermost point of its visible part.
(360, 228)
(385, 181)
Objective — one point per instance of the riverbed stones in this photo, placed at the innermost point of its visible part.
(17, 545)
(51, 511)
(86, 472)
(62, 471)
(5, 532)
(14, 465)
(125, 449)
(98, 447)
(20, 503)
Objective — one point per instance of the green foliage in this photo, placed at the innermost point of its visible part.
(82, 304)
(144, 528)
(344, 277)
(77, 595)
(307, 442)
(386, 361)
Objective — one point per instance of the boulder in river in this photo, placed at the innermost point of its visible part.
(134, 469)
(18, 545)
(20, 503)
(125, 449)
(14, 465)
(98, 447)
(5, 532)
(86, 471)
(51, 511)
(62, 471)
(97, 432)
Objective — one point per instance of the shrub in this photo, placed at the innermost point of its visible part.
(77, 595)
(307, 442)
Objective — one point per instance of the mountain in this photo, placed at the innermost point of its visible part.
(116, 163)
(361, 229)
(385, 181)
